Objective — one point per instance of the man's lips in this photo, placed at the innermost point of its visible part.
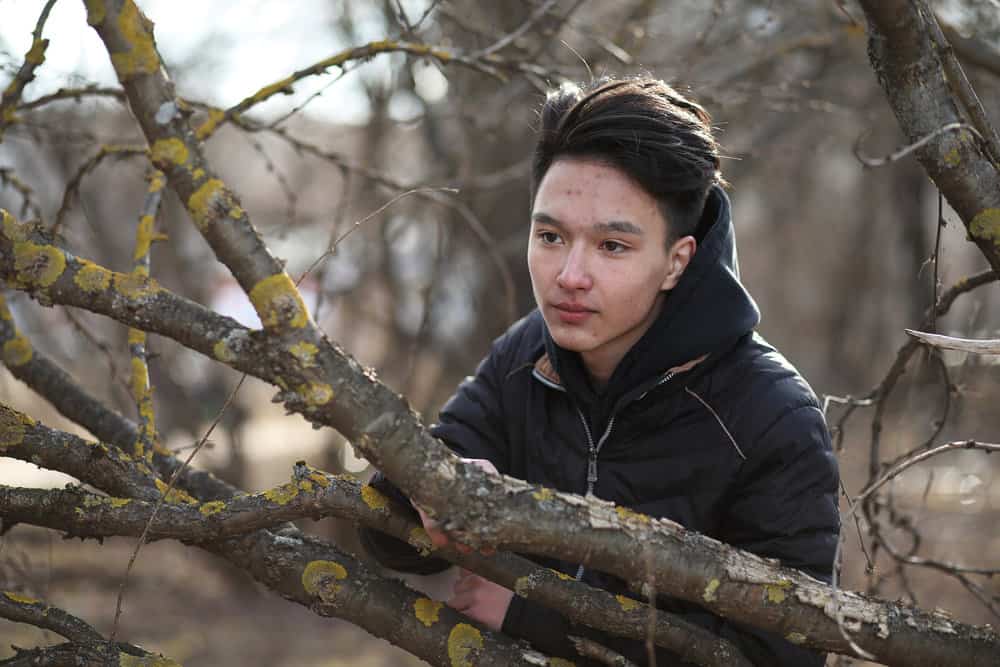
(572, 313)
(573, 307)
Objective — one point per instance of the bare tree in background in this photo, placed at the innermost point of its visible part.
(400, 238)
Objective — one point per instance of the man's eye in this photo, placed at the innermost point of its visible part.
(614, 247)
(548, 237)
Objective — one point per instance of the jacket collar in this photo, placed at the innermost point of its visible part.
(545, 372)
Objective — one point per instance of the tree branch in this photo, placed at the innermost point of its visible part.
(315, 494)
(86, 646)
(908, 64)
(973, 346)
(32, 59)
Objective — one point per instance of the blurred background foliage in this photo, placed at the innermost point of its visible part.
(839, 257)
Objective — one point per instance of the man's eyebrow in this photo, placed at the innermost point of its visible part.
(619, 226)
(546, 219)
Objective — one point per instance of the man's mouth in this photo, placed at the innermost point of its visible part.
(573, 313)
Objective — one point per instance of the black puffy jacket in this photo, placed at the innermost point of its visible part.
(734, 447)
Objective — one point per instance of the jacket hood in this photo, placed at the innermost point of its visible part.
(706, 312)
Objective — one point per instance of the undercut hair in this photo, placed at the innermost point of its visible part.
(656, 136)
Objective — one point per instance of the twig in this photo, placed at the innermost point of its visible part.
(510, 37)
(970, 345)
(917, 457)
(906, 150)
(32, 60)
(332, 248)
(163, 499)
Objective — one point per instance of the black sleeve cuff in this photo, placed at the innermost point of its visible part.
(391, 552)
(546, 629)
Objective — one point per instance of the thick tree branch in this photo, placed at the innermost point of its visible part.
(312, 493)
(906, 59)
(98, 654)
(106, 468)
(86, 645)
(25, 609)
(322, 577)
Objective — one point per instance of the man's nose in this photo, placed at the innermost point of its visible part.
(575, 273)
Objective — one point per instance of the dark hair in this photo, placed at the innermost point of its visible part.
(645, 128)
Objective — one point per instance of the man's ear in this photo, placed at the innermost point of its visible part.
(678, 257)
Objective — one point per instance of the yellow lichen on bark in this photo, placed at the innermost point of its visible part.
(543, 494)
(36, 54)
(38, 265)
(284, 494)
(277, 301)
(316, 393)
(156, 182)
(796, 637)
(222, 352)
(176, 496)
(13, 427)
(986, 226)
(134, 286)
(207, 128)
(627, 603)
(96, 11)
(169, 152)
(137, 32)
(319, 572)
(17, 351)
(420, 540)
(12, 229)
(427, 611)
(305, 352)
(143, 238)
(20, 599)
(209, 198)
(212, 507)
(374, 498)
(709, 594)
(90, 277)
(562, 575)
(463, 642)
(776, 592)
(139, 380)
(625, 514)
(272, 89)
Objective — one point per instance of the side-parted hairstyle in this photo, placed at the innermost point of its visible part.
(659, 138)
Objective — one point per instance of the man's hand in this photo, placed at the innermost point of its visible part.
(438, 537)
(481, 599)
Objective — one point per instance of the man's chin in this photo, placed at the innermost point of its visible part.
(569, 338)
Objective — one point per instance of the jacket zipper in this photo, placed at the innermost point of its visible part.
(595, 449)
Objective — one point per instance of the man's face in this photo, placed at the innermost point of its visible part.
(598, 260)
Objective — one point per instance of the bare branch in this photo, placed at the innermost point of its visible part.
(32, 59)
(973, 346)
(916, 457)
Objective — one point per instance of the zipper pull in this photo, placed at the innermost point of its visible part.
(592, 470)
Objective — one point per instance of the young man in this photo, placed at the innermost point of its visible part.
(639, 378)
